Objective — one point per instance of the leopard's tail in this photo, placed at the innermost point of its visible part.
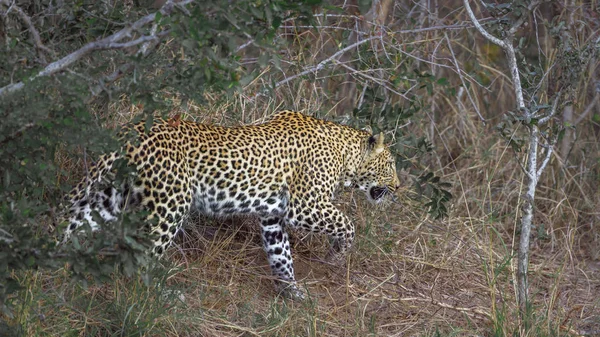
(95, 194)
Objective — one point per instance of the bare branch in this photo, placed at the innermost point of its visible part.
(144, 39)
(246, 44)
(547, 155)
(6, 236)
(362, 97)
(144, 51)
(505, 44)
(480, 28)
(532, 171)
(549, 148)
(110, 42)
(375, 24)
(144, 48)
(554, 110)
(342, 51)
(96, 90)
(588, 109)
(404, 31)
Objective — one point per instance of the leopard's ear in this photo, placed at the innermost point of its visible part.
(377, 142)
(368, 129)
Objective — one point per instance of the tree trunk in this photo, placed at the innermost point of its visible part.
(527, 219)
(567, 141)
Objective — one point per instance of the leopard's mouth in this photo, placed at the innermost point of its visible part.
(377, 193)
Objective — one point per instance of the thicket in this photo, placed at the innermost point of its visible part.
(61, 66)
(51, 107)
(71, 72)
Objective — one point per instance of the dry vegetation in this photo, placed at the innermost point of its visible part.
(408, 275)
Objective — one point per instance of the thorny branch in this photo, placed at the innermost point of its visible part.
(111, 42)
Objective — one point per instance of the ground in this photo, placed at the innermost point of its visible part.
(406, 276)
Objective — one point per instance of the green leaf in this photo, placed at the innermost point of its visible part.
(263, 60)
(246, 79)
(364, 6)
(442, 81)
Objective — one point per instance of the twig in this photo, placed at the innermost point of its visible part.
(110, 42)
(554, 110)
(374, 79)
(118, 45)
(523, 168)
(6, 236)
(144, 51)
(246, 44)
(480, 28)
(32, 30)
(396, 32)
(145, 46)
(362, 97)
(508, 49)
(319, 66)
(458, 71)
(513, 29)
(588, 109)
(441, 65)
(17, 133)
(111, 78)
(547, 155)
(357, 18)
(340, 52)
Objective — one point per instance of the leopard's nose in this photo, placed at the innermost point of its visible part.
(396, 183)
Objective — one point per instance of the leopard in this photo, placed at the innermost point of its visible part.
(285, 172)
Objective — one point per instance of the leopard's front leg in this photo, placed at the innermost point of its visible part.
(324, 217)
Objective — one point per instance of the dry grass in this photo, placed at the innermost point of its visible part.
(407, 276)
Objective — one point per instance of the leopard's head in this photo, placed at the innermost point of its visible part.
(376, 175)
